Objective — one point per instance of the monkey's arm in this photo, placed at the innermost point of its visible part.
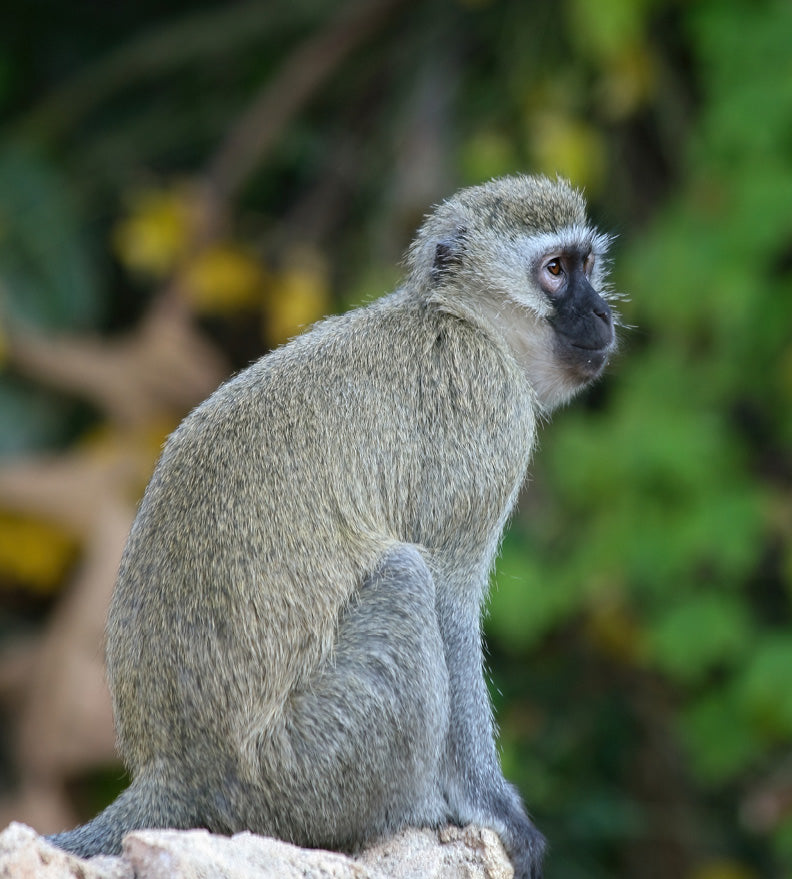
(475, 788)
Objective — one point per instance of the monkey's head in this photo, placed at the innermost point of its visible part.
(519, 255)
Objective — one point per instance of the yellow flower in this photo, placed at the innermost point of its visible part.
(33, 553)
(300, 296)
(564, 145)
(223, 278)
(156, 234)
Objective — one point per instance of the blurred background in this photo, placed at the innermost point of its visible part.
(185, 185)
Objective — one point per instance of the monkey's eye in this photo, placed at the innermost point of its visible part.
(553, 275)
(588, 264)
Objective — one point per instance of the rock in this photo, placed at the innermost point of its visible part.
(198, 854)
(448, 853)
(26, 855)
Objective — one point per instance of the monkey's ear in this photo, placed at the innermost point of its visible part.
(448, 254)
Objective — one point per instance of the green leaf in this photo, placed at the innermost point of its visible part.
(704, 632)
(764, 686)
(525, 602)
(46, 270)
(718, 737)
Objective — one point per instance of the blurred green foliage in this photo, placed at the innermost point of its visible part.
(639, 628)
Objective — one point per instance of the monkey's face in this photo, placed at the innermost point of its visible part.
(545, 293)
(581, 319)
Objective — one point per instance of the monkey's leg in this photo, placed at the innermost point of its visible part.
(151, 800)
(358, 753)
(474, 785)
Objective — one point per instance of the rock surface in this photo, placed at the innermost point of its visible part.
(448, 853)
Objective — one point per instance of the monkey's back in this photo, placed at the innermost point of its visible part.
(393, 423)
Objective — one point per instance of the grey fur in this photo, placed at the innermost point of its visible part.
(294, 643)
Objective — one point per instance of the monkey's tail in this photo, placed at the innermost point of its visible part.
(146, 803)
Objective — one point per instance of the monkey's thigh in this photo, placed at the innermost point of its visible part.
(359, 752)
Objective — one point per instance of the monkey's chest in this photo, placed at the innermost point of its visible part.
(462, 499)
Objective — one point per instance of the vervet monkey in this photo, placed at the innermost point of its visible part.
(294, 641)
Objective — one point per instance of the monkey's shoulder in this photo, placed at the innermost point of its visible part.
(393, 361)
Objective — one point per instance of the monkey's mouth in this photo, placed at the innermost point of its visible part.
(603, 349)
(586, 361)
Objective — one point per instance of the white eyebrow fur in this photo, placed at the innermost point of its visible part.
(567, 238)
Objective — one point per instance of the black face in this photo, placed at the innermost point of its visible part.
(582, 319)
